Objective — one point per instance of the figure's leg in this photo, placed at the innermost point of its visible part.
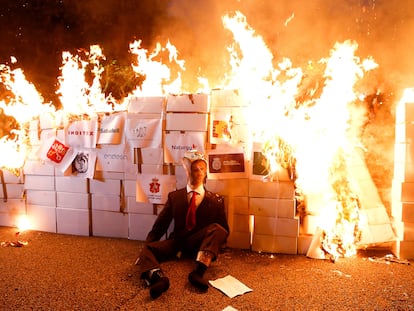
(208, 242)
(149, 260)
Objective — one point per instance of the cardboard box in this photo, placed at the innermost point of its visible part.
(238, 205)
(13, 191)
(41, 218)
(33, 167)
(130, 188)
(73, 200)
(304, 241)
(240, 223)
(11, 211)
(264, 225)
(105, 202)
(408, 231)
(134, 207)
(11, 178)
(72, 221)
(407, 212)
(71, 184)
(196, 122)
(140, 225)
(276, 190)
(38, 182)
(40, 197)
(287, 227)
(109, 224)
(229, 187)
(403, 171)
(146, 104)
(107, 187)
(152, 155)
(239, 240)
(188, 103)
(403, 191)
(227, 98)
(286, 208)
(152, 169)
(274, 244)
(263, 207)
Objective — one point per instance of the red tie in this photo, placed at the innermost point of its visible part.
(191, 214)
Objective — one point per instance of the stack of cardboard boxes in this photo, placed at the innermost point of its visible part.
(156, 132)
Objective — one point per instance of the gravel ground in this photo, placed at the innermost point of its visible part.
(64, 272)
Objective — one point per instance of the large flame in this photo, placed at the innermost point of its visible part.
(305, 125)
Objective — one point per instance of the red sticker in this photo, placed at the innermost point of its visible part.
(57, 151)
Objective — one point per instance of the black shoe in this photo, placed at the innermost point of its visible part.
(157, 282)
(198, 281)
(159, 286)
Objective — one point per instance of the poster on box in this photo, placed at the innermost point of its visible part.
(177, 143)
(226, 164)
(220, 125)
(114, 158)
(82, 133)
(83, 164)
(111, 128)
(57, 153)
(259, 167)
(154, 188)
(144, 130)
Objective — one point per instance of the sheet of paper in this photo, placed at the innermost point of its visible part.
(229, 308)
(230, 286)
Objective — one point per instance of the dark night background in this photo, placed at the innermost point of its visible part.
(37, 31)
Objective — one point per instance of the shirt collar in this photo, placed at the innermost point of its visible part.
(200, 189)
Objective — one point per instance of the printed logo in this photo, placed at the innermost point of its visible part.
(57, 151)
(155, 186)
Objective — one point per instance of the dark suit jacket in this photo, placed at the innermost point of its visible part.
(211, 210)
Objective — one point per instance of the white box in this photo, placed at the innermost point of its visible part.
(188, 103)
(407, 212)
(73, 200)
(130, 188)
(264, 225)
(109, 224)
(238, 205)
(11, 178)
(33, 167)
(287, 227)
(13, 191)
(286, 208)
(276, 190)
(103, 175)
(41, 218)
(40, 197)
(240, 223)
(263, 207)
(109, 186)
(240, 240)
(229, 187)
(404, 132)
(134, 207)
(227, 98)
(140, 225)
(39, 182)
(71, 184)
(146, 104)
(105, 202)
(408, 231)
(152, 155)
(196, 122)
(275, 244)
(304, 241)
(11, 211)
(152, 169)
(72, 221)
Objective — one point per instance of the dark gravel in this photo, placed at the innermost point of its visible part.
(64, 272)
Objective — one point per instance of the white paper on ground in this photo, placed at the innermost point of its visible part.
(230, 286)
(229, 308)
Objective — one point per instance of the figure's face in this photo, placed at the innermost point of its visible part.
(198, 173)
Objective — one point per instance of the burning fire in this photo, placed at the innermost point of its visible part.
(309, 130)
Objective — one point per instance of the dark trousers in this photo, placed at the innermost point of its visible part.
(210, 238)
